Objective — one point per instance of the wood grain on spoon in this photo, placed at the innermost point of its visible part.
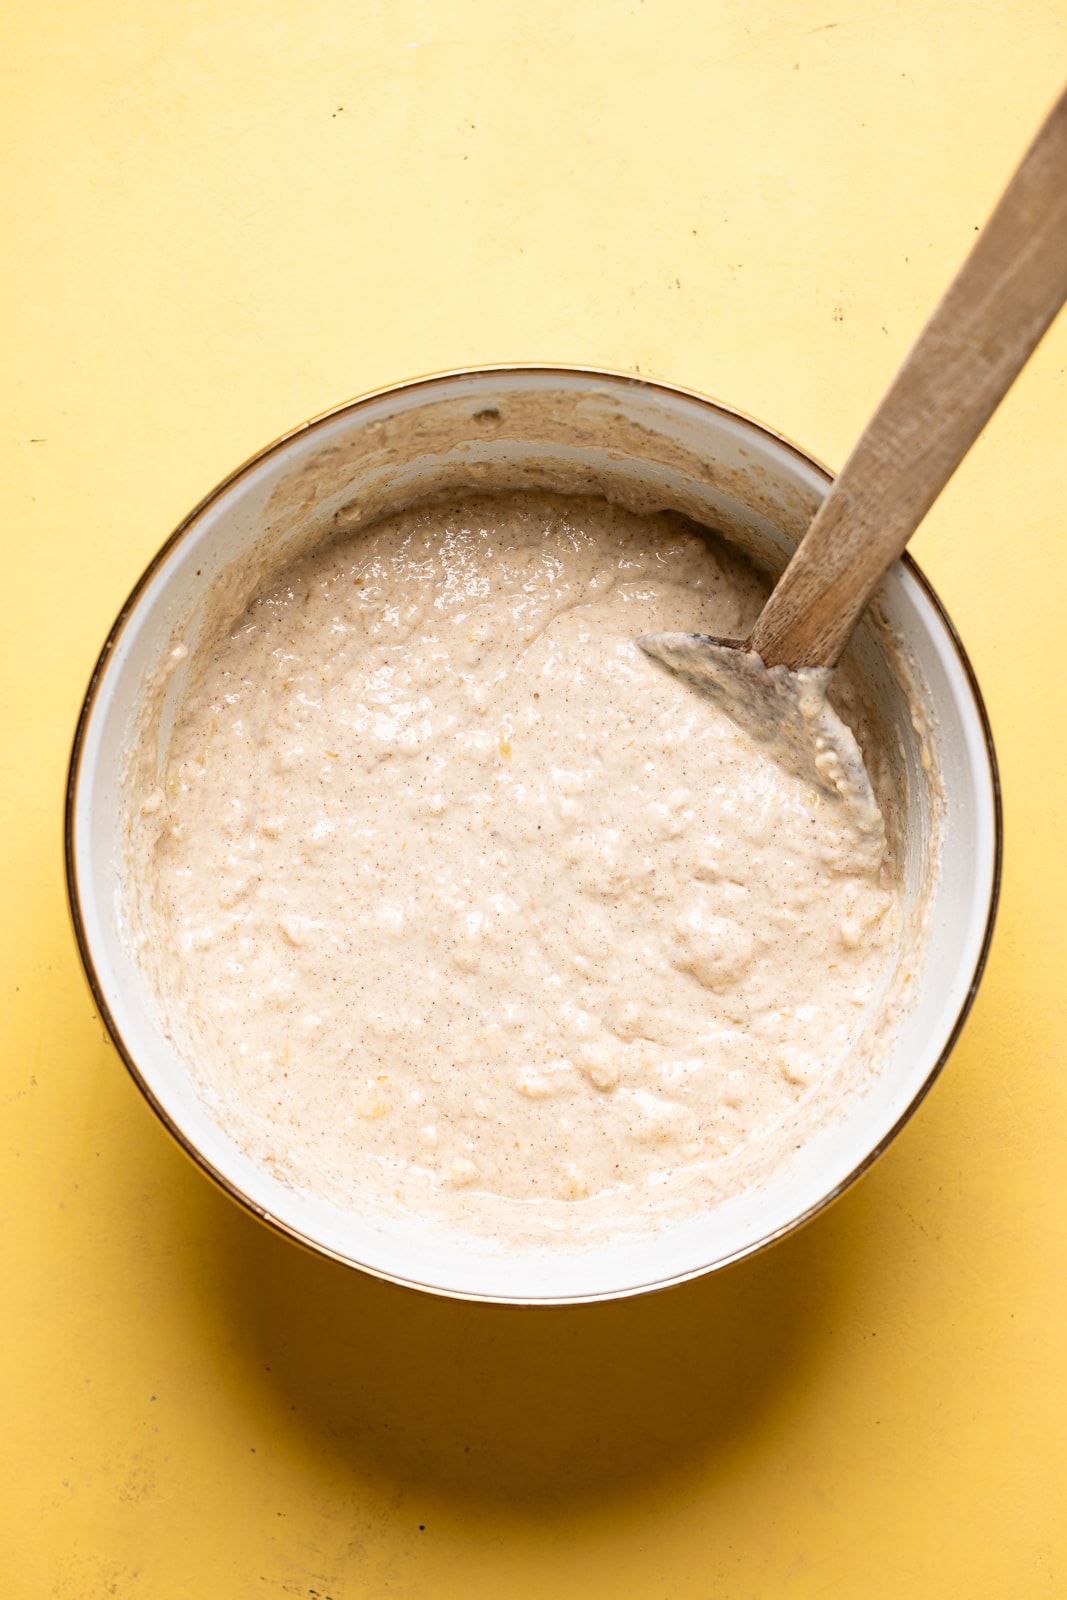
(1001, 302)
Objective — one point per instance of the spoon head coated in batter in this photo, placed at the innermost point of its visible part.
(785, 711)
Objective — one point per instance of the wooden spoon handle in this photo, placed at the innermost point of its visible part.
(966, 358)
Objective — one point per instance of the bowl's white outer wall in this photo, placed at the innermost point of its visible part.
(960, 920)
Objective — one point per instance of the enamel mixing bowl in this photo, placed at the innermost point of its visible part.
(647, 446)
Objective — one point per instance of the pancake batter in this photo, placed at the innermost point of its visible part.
(465, 896)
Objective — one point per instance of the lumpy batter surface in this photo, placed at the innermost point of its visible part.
(465, 896)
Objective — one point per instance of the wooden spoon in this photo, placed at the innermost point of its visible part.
(1003, 298)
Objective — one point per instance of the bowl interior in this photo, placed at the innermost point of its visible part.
(648, 447)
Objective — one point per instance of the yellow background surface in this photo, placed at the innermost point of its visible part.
(220, 217)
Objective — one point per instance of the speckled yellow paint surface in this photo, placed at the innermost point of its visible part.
(220, 217)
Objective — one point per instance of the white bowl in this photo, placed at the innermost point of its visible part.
(647, 445)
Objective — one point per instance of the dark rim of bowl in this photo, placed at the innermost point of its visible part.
(430, 381)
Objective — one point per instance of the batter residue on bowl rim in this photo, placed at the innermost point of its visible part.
(462, 904)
